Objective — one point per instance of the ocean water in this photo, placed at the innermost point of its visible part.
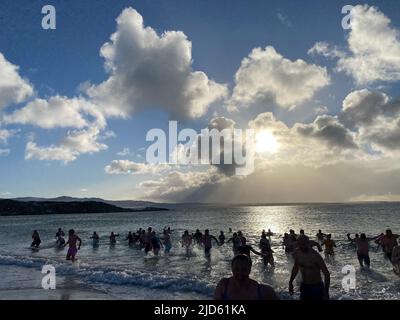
(123, 272)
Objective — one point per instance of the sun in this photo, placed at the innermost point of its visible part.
(266, 142)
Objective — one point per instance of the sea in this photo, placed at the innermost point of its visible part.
(126, 272)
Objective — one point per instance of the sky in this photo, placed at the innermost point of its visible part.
(76, 102)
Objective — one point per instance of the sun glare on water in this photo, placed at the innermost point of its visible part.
(266, 142)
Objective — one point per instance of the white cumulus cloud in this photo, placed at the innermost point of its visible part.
(373, 48)
(13, 88)
(265, 76)
(148, 70)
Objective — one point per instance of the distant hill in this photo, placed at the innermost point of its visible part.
(14, 207)
(120, 203)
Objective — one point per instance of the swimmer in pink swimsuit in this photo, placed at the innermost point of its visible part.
(72, 240)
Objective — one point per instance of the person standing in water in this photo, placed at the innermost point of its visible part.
(320, 236)
(310, 264)
(155, 243)
(187, 240)
(269, 233)
(288, 243)
(235, 243)
(60, 232)
(130, 237)
(246, 249)
(73, 249)
(207, 242)
(147, 240)
(362, 243)
(60, 237)
(221, 238)
(388, 242)
(197, 237)
(113, 238)
(266, 251)
(35, 239)
(242, 238)
(240, 286)
(329, 245)
(166, 238)
(95, 239)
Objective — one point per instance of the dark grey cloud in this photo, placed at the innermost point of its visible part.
(363, 107)
(329, 130)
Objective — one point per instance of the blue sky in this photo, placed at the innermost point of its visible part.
(222, 33)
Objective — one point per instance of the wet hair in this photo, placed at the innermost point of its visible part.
(363, 236)
(71, 231)
(242, 257)
(206, 231)
(388, 231)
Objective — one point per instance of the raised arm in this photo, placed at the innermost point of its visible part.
(216, 240)
(373, 238)
(255, 252)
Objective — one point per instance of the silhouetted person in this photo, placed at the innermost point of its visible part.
(240, 286)
(310, 264)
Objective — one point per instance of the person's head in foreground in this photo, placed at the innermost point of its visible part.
(71, 232)
(240, 286)
(303, 243)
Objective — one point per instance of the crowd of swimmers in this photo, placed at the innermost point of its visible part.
(240, 286)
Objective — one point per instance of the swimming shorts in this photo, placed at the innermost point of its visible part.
(312, 291)
(72, 251)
